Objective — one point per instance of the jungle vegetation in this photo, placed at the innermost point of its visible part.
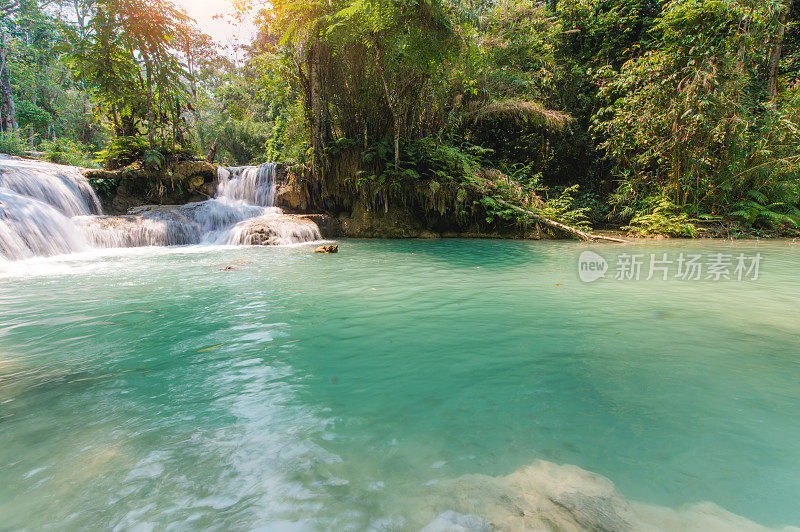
(660, 116)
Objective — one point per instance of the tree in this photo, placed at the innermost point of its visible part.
(129, 53)
(8, 8)
(776, 47)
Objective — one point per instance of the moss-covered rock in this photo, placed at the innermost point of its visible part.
(134, 185)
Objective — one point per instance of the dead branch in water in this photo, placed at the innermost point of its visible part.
(583, 235)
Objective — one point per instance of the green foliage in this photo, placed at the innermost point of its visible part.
(691, 121)
(122, 151)
(497, 211)
(129, 55)
(105, 186)
(154, 159)
(242, 141)
(62, 150)
(31, 115)
(11, 143)
(424, 159)
(662, 217)
(561, 207)
(595, 206)
(759, 209)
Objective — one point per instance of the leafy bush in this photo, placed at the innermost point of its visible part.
(759, 209)
(662, 217)
(426, 158)
(122, 151)
(62, 150)
(154, 159)
(105, 186)
(596, 209)
(497, 211)
(31, 115)
(12, 143)
(562, 208)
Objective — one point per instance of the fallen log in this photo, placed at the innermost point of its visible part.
(563, 227)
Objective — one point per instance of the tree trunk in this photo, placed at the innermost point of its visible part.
(387, 93)
(396, 143)
(317, 112)
(744, 29)
(117, 127)
(212, 153)
(151, 115)
(6, 94)
(776, 50)
(193, 86)
(81, 12)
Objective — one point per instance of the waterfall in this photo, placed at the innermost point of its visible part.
(244, 213)
(63, 187)
(151, 228)
(252, 184)
(48, 209)
(37, 203)
(29, 227)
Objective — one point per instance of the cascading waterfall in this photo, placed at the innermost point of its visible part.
(63, 187)
(29, 227)
(48, 209)
(253, 184)
(37, 203)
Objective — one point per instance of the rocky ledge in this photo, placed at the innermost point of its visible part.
(134, 186)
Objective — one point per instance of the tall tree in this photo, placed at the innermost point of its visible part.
(776, 47)
(8, 8)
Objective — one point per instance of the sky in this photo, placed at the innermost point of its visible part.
(203, 12)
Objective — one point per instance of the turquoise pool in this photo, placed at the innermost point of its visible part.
(276, 388)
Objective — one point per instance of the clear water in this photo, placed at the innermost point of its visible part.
(156, 388)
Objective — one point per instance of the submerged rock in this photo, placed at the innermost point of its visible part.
(547, 496)
(454, 522)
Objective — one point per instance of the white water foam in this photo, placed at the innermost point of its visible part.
(29, 227)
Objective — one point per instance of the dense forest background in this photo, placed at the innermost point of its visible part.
(662, 116)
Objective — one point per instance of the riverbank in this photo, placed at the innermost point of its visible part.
(419, 213)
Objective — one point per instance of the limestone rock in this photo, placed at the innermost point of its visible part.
(454, 522)
(327, 249)
(291, 192)
(329, 226)
(182, 183)
(547, 496)
(274, 230)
